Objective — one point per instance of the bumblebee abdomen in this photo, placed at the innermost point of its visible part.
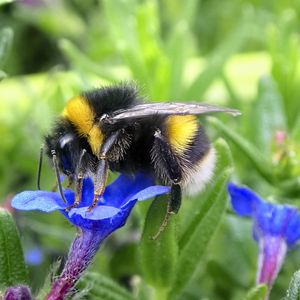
(198, 163)
(180, 132)
(199, 174)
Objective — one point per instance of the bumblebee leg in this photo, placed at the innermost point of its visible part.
(99, 181)
(78, 187)
(70, 181)
(102, 168)
(40, 168)
(79, 182)
(174, 174)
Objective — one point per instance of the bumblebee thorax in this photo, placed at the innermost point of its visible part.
(83, 117)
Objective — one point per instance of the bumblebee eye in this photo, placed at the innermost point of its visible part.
(65, 140)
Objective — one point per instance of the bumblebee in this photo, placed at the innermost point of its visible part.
(112, 128)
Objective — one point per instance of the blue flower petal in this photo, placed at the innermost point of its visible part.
(243, 200)
(39, 200)
(263, 214)
(280, 219)
(98, 213)
(293, 229)
(149, 192)
(87, 192)
(106, 226)
(124, 186)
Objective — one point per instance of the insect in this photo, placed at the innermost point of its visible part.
(111, 128)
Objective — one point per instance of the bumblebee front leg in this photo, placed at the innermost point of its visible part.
(102, 168)
(100, 181)
(79, 182)
(173, 171)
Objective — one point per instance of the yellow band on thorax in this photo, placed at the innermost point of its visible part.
(181, 131)
(82, 116)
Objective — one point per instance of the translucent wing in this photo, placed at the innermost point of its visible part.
(169, 108)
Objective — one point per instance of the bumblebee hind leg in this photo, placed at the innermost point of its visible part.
(165, 157)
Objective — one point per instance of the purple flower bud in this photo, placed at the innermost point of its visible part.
(20, 292)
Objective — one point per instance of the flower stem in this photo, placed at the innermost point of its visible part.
(81, 253)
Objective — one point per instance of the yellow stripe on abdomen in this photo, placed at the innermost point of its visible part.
(82, 116)
(181, 131)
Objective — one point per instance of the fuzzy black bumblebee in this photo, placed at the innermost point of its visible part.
(111, 128)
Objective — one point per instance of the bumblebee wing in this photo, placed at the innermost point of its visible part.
(173, 108)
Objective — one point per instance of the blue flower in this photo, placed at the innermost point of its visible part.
(111, 212)
(275, 227)
(34, 256)
(269, 219)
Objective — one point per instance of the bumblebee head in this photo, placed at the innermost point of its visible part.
(63, 142)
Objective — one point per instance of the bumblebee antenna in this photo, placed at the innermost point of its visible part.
(38, 183)
(54, 159)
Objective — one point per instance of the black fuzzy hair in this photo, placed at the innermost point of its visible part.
(111, 98)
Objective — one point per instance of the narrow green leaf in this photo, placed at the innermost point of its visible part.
(268, 112)
(154, 58)
(121, 20)
(200, 206)
(258, 292)
(293, 292)
(261, 163)
(6, 36)
(12, 266)
(124, 261)
(177, 54)
(83, 63)
(158, 257)
(201, 231)
(290, 187)
(99, 286)
(216, 62)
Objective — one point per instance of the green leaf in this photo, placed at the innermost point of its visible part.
(196, 238)
(158, 257)
(123, 262)
(258, 292)
(85, 64)
(260, 162)
(268, 114)
(6, 36)
(123, 35)
(99, 286)
(216, 62)
(196, 211)
(293, 292)
(177, 53)
(12, 266)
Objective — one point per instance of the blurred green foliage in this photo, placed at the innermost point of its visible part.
(243, 54)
